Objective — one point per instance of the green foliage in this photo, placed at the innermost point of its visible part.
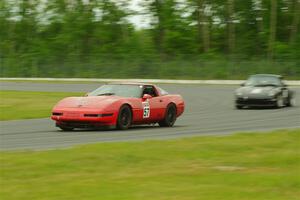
(62, 38)
(253, 166)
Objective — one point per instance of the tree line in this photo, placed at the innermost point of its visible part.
(183, 39)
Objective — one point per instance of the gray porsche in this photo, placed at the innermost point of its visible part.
(264, 90)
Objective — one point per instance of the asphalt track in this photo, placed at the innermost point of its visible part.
(209, 110)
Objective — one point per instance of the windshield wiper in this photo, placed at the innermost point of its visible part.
(106, 94)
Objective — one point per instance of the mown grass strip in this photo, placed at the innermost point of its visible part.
(242, 166)
(28, 105)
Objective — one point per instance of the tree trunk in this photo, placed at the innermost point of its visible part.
(206, 32)
(203, 27)
(273, 24)
(199, 19)
(259, 14)
(161, 31)
(231, 26)
(295, 23)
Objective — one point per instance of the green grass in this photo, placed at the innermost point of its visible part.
(249, 166)
(28, 105)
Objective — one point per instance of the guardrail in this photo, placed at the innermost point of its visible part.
(167, 81)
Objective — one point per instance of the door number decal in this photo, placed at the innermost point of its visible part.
(146, 109)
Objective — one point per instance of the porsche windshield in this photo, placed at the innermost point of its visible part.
(263, 81)
(118, 90)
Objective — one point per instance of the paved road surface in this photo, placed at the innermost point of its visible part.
(209, 110)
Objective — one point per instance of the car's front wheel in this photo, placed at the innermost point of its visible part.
(291, 102)
(279, 101)
(124, 118)
(170, 117)
(238, 107)
(65, 128)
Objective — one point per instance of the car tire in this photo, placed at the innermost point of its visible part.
(238, 107)
(279, 101)
(170, 116)
(291, 102)
(65, 128)
(124, 118)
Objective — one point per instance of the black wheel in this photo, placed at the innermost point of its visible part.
(291, 102)
(238, 107)
(124, 118)
(279, 101)
(64, 128)
(170, 117)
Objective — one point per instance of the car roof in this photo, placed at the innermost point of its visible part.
(271, 75)
(129, 83)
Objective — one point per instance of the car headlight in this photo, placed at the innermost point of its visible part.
(239, 94)
(272, 93)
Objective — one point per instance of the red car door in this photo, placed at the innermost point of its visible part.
(156, 108)
(153, 108)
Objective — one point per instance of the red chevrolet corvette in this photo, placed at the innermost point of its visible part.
(119, 105)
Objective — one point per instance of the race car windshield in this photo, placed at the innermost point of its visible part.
(263, 81)
(118, 90)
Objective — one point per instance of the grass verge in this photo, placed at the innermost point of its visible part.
(28, 105)
(241, 166)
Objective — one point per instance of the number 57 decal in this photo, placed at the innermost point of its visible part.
(146, 109)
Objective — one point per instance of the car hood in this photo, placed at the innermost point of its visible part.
(256, 91)
(90, 102)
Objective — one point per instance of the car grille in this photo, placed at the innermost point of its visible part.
(80, 124)
(255, 101)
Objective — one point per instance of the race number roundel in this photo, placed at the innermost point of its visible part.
(146, 109)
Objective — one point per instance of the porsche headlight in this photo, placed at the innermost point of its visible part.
(272, 93)
(239, 94)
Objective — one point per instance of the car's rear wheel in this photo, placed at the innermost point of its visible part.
(279, 101)
(170, 117)
(124, 118)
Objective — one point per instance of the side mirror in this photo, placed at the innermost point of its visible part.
(146, 96)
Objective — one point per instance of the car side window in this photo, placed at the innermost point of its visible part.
(162, 92)
(150, 90)
(282, 83)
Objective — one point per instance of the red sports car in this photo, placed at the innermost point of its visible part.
(119, 105)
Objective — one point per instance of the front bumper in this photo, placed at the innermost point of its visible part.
(81, 120)
(255, 102)
(82, 124)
